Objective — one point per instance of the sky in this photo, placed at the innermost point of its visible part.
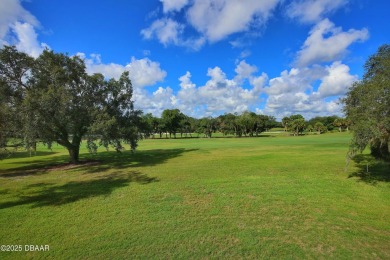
(210, 57)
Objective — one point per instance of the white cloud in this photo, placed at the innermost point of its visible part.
(156, 102)
(308, 11)
(244, 70)
(300, 103)
(245, 53)
(27, 39)
(221, 94)
(294, 91)
(326, 42)
(11, 11)
(294, 81)
(17, 27)
(94, 65)
(337, 81)
(213, 19)
(173, 5)
(165, 30)
(143, 72)
(168, 31)
(217, 19)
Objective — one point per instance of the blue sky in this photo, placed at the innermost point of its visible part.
(209, 57)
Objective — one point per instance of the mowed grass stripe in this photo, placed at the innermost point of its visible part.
(266, 197)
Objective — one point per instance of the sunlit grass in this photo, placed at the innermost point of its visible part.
(266, 197)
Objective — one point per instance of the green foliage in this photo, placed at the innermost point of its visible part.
(248, 124)
(296, 124)
(52, 99)
(327, 121)
(367, 106)
(286, 122)
(320, 128)
(206, 126)
(171, 119)
(342, 123)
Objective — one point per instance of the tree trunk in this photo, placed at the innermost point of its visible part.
(380, 150)
(74, 152)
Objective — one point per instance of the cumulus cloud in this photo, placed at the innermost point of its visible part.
(173, 5)
(295, 91)
(308, 11)
(217, 19)
(17, 27)
(155, 102)
(244, 70)
(11, 11)
(294, 81)
(214, 20)
(27, 39)
(168, 31)
(337, 81)
(165, 30)
(220, 94)
(326, 42)
(300, 103)
(143, 72)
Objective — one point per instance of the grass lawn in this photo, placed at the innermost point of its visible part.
(266, 197)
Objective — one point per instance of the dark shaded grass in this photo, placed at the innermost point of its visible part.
(101, 162)
(49, 194)
(371, 170)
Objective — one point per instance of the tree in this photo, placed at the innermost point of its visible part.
(171, 119)
(342, 124)
(320, 128)
(286, 122)
(297, 124)
(327, 121)
(53, 99)
(338, 122)
(248, 122)
(228, 124)
(15, 70)
(367, 106)
(309, 128)
(186, 125)
(264, 123)
(206, 126)
(148, 125)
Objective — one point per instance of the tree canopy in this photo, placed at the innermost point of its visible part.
(53, 99)
(367, 106)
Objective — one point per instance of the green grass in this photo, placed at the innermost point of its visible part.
(266, 197)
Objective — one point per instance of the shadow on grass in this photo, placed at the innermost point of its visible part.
(101, 162)
(377, 171)
(34, 167)
(26, 154)
(146, 158)
(53, 195)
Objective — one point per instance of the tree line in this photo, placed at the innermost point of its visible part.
(173, 122)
